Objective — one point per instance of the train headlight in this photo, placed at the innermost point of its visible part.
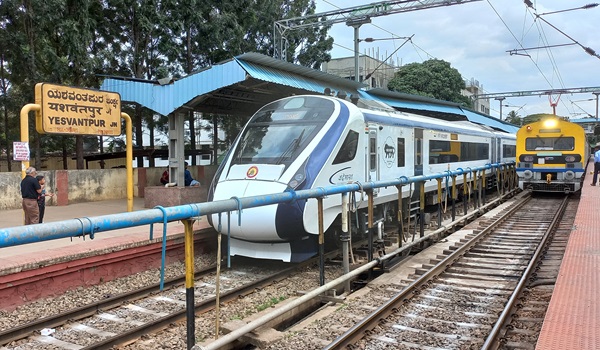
(569, 175)
(297, 180)
(528, 174)
(528, 159)
(570, 159)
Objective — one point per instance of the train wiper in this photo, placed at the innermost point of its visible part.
(241, 149)
(556, 144)
(291, 148)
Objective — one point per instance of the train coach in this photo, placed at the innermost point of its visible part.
(306, 142)
(552, 155)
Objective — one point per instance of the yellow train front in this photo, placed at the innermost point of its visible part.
(552, 154)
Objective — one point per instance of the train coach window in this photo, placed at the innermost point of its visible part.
(474, 151)
(509, 150)
(442, 152)
(400, 152)
(348, 150)
(439, 146)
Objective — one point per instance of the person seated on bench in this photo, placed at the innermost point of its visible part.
(188, 179)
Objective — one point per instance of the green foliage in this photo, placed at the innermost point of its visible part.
(432, 78)
(78, 42)
(271, 302)
(532, 118)
(514, 118)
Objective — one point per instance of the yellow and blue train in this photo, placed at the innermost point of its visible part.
(552, 155)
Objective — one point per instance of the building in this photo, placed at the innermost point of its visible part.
(474, 88)
(378, 73)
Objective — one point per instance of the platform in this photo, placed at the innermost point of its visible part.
(573, 317)
(62, 248)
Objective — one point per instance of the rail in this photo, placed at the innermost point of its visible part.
(189, 212)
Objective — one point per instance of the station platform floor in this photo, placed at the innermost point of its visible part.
(59, 249)
(572, 321)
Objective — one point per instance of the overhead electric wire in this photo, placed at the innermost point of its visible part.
(387, 31)
(588, 50)
(518, 41)
(544, 40)
(550, 55)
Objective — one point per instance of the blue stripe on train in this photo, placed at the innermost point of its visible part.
(288, 220)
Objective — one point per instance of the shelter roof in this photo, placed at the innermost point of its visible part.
(239, 86)
(242, 85)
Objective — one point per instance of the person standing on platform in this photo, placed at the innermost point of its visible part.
(30, 190)
(596, 164)
(42, 197)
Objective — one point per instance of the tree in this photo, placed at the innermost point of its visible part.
(532, 118)
(48, 41)
(514, 118)
(432, 78)
(77, 42)
(202, 33)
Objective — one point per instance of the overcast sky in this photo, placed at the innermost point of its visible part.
(475, 37)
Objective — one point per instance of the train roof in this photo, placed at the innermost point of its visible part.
(420, 121)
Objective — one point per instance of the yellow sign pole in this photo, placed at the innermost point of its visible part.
(190, 305)
(129, 159)
(25, 129)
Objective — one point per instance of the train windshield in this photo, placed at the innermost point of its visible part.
(278, 132)
(560, 143)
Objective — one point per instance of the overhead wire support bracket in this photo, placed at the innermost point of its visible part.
(516, 51)
(328, 18)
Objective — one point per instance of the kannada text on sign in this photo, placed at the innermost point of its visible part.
(68, 110)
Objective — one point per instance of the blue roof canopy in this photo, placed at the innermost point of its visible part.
(247, 82)
(236, 87)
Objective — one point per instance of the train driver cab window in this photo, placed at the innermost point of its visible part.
(348, 150)
(560, 143)
(281, 130)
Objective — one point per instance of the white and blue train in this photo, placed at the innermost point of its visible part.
(306, 142)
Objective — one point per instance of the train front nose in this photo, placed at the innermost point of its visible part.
(257, 224)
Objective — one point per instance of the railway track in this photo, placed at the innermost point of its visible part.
(521, 331)
(123, 318)
(455, 302)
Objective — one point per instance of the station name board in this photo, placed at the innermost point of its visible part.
(69, 110)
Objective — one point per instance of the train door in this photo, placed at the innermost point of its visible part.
(498, 150)
(418, 152)
(373, 156)
(494, 157)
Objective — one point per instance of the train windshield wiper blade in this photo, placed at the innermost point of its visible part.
(241, 149)
(291, 148)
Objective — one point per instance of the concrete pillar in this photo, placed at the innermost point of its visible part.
(176, 149)
(62, 187)
(142, 181)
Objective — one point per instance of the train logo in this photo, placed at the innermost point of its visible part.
(341, 176)
(389, 152)
(252, 172)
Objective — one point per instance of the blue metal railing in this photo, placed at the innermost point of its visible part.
(90, 226)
